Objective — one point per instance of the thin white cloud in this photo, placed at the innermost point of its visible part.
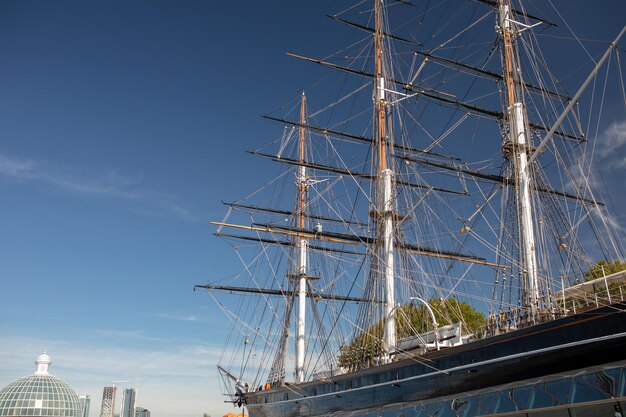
(111, 184)
(18, 168)
(610, 222)
(620, 163)
(613, 139)
(179, 317)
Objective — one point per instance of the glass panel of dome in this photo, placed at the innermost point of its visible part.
(458, 404)
(505, 403)
(540, 398)
(443, 409)
(420, 412)
(583, 392)
(597, 381)
(433, 409)
(521, 396)
(560, 389)
(469, 407)
(488, 402)
(594, 380)
(612, 377)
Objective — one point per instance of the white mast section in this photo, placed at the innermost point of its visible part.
(520, 147)
(518, 135)
(385, 202)
(390, 318)
(301, 183)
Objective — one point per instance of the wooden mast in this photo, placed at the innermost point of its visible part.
(384, 198)
(380, 87)
(302, 261)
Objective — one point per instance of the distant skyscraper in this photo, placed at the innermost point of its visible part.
(128, 403)
(85, 401)
(108, 402)
(142, 412)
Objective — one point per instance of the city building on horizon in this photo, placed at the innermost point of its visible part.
(128, 403)
(142, 412)
(108, 402)
(85, 401)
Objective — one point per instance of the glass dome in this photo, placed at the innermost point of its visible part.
(40, 394)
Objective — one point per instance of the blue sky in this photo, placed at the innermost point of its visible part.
(122, 127)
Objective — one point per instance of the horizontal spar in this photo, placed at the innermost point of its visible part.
(439, 96)
(494, 114)
(499, 179)
(327, 131)
(290, 243)
(355, 174)
(370, 240)
(291, 213)
(283, 293)
(493, 3)
(488, 74)
(350, 252)
(367, 74)
(372, 30)
(355, 240)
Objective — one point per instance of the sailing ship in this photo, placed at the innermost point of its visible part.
(437, 255)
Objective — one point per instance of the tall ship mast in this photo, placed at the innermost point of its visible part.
(516, 149)
(385, 195)
(444, 250)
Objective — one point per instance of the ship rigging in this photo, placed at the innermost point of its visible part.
(389, 230)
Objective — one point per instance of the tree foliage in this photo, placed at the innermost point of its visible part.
(602, 268)
(411, 319)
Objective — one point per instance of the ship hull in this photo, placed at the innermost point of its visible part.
(580, 341)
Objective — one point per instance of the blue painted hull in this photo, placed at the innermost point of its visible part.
(580, 341)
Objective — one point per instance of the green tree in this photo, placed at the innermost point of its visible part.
(411, 319)
(603, 267)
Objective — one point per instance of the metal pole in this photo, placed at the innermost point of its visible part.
(574, 100)
(432, 315)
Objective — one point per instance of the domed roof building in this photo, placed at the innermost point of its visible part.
(39, 394)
